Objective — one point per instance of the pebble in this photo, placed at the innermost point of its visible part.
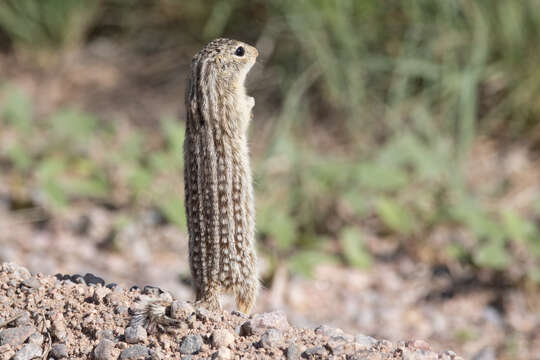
(59, 351)
(191, 344)
(92, 279)
(113, 298)
(24, 319)
(221, 337)
(151, 290)
(135, 352)
(261, 322)
(364, 341)
(121, 310)
(111, 286)
(58, 326)
(17, 335)
(36, 338)
(314, 351)
(31, 283)
(336, 347)
(222, 354)
(27, 352)
(206, 315)
(180, 309)
(418, 344)
(408, 354)
(104, 350)
(328, 331)
(271, 338)
(20, 273)
(105, 334)
(292, 352)
(77, 279)
(135, 334)
(99, 294)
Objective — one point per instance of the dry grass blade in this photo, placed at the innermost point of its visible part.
(10, 320)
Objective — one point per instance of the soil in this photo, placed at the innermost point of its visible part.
(82, 317)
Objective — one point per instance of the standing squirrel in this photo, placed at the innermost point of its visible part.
(218, 187)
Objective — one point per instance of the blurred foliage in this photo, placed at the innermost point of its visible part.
(405, 89)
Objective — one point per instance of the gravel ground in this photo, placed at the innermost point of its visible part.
(82, 317)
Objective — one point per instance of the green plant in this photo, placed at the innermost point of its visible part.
(47, 23)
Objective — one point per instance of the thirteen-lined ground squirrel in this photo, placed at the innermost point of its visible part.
(218, 189)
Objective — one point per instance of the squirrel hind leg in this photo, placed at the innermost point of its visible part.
(209, 300)
(246, 293)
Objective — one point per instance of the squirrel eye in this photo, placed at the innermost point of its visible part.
(240, 51)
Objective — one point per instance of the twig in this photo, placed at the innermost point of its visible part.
(11, 319)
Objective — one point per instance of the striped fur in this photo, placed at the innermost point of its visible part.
(218, 185)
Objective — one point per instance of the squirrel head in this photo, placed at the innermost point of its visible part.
(227, 61)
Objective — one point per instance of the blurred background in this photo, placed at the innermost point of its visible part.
(395, 147)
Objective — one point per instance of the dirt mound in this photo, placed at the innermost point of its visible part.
(81, 317)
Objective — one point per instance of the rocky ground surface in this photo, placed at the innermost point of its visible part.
(82, 317)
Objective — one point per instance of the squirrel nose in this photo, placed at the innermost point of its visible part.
(255, 52)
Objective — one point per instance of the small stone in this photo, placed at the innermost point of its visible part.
(104, 350)
(20, 273)
(58, 326)
(134, 352)
(151, 290)
(135, 334)
(165, 296)
(24, 319)
(418, 344)
(409, 354)
(328, 331)
(221, 338)
(292, 352)
(31, 283)
(222, 354)
(261, 322)
(27, 352)
(206, 315)
(180, 309)
(271, 338)
(191, 344)
(336, 347)
(364, 342)
(17, 335)
(105, 334)
(448, 355)
(92, 279)
(314, 352)
(121, 310)
(111, 286)
(99, 294)
(36, 338)
(59, 351)
(77, 279)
